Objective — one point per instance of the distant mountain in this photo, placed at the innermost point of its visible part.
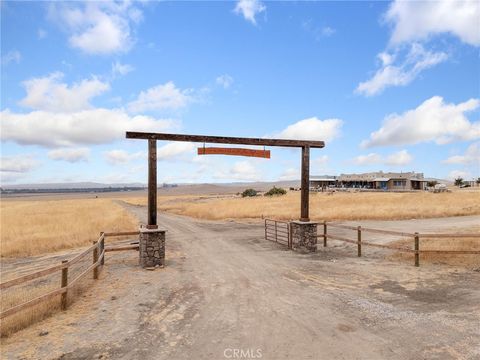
(73, 185)
(210, 188)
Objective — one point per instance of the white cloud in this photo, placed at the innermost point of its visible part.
(50, 94)
(102, 27)
(320, 161)
(420, 20)
(454, 174)
(471, 156)
(11, 56)
(7, 177)
(174, 149)
(162, 97)
(369, 159)
(327, 31)
(224, 80)
(121, 69)
(72, 155)
(320, 165)
(96, 126)
(403, 73)
(41, 33)
(312, 129)
(15, 167)
(400, 158)
(290, 174)
(116, 157)
(244, 170)
(318, 32)
(18, 163)
(433, 120)
(249, 9)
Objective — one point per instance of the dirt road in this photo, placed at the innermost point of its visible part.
(228, 294)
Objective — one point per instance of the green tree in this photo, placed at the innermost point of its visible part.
(249, 193)
(432, 183)
(458, 181)
(275, 191)
(478, 181)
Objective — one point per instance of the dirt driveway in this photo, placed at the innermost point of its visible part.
(228, 294)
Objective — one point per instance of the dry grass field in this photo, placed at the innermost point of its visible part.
(446, 244)
(32, 227)
(333, 207)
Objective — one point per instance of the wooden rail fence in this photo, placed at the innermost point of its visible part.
(97, 249)
(415, 237)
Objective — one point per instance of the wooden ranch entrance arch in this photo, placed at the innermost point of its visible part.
(304, 225)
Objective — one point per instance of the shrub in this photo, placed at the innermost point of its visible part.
(275, 191)
(249, 192)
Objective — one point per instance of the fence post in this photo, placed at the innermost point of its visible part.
(102, 247)
(324, 234)
(359, 241)
(64, 285)
(95, 259)
(290, 236)
(276, 239)
(417, 248)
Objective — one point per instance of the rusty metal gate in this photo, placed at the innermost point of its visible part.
(278, 231)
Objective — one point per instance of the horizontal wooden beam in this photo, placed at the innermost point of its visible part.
(234, 151)
(225, 139)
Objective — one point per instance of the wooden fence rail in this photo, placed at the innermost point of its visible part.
(97, 249)
(415, 236)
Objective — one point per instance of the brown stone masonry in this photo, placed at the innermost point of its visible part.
(304, 235)
(152, 247)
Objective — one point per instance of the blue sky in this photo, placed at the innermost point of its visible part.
(390, 86)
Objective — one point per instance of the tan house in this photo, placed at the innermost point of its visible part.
(375, 180)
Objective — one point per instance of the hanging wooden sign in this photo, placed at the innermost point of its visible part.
(234, 151)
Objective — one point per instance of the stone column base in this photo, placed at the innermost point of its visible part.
(152, 247)
(304, 236)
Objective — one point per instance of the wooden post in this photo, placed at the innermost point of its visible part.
(417, 248)
(102, 247)
(324, 234)
(266, 229)
(359, 241)
(305, 183)
(64, 285)
(95, 259)
(276, 240)
(290, 236)
(152, 184)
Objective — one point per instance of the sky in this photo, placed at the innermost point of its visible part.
(392, 86)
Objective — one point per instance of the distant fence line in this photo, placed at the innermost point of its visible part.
(274, 232)
(98, 250)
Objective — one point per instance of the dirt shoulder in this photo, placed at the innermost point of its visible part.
(225, 288)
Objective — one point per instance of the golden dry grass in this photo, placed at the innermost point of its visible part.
(22, 293)
(338, 206)
(446, 244)
(36, 227)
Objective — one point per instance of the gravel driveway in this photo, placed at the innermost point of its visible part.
(228, 294)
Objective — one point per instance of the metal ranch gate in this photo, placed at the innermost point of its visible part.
(279, 232)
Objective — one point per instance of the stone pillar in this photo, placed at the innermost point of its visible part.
(152, 247)
(304, 235)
